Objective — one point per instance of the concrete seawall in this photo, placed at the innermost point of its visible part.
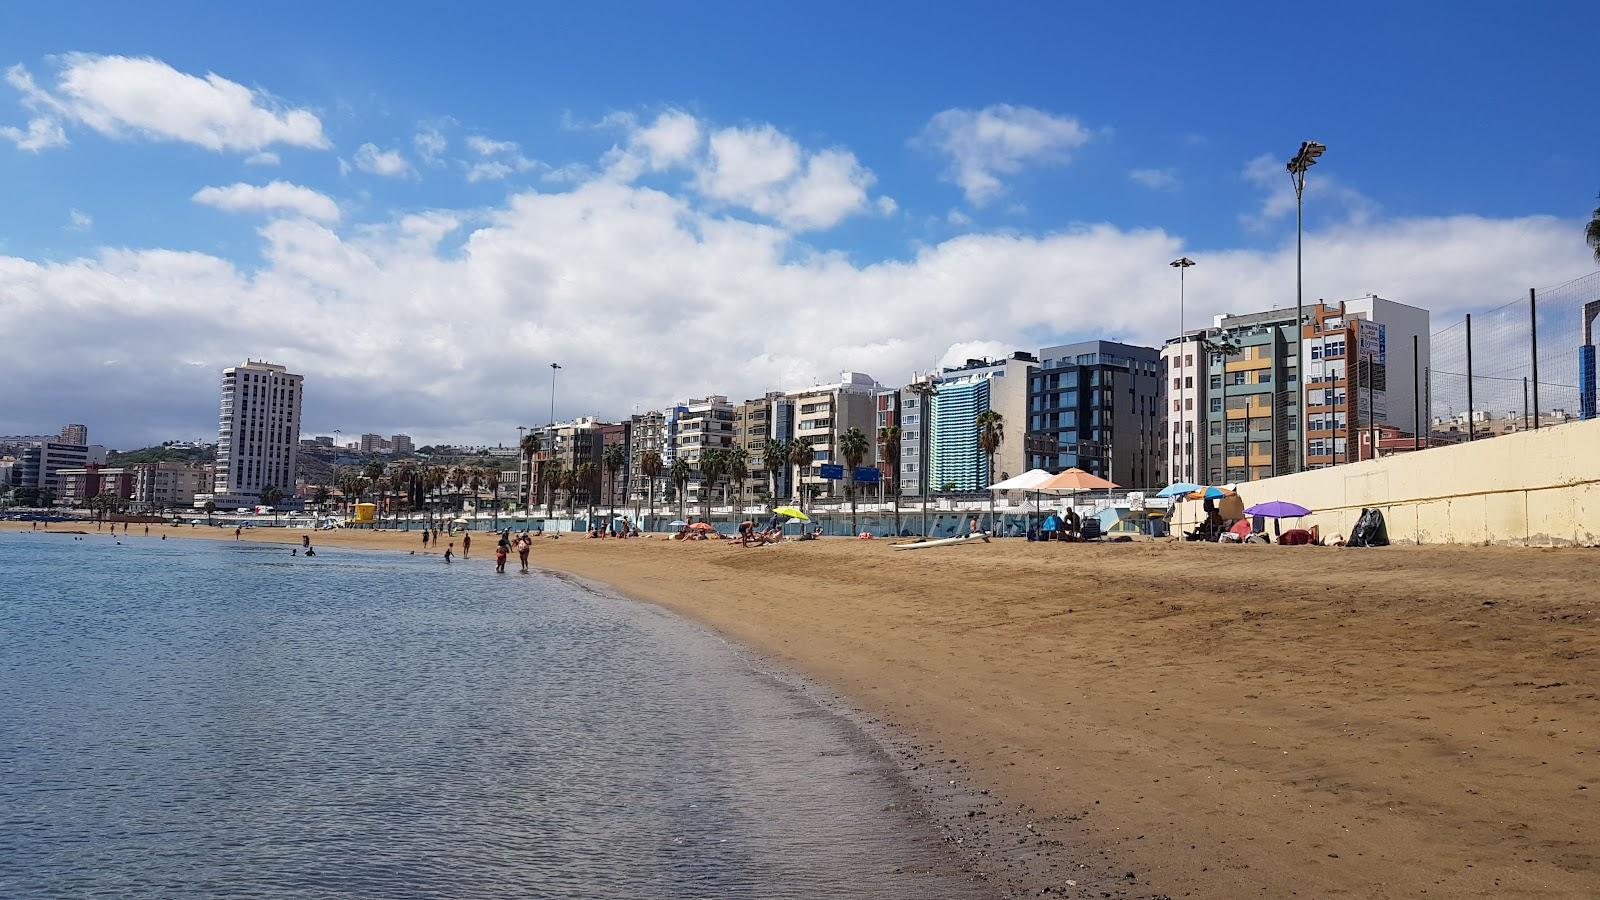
(1535, 488)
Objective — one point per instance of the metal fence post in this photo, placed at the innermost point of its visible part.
(1472, 429)
(1533, 332)
(1416, 396)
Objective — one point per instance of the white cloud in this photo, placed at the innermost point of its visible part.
(1271, 175)
(276, 196)
(957, 218)
(499, 159)
(119, 96)
(766, 171)
(388, 163)
(42, 134)
(430, 144)
(616, 280)
(77, 220)
(1154, 179)
(264, 158)
(984, 144)
(672, 139)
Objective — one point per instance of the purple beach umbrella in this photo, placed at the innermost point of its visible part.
(1278, 509)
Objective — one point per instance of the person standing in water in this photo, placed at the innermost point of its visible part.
(524, 544)
(424, 538)
(500, 559)
(237, 530)
(466, 546)
(450, 552)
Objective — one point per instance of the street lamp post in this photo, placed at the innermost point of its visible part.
(553, 368)
(1184, 453)
(1305, 159)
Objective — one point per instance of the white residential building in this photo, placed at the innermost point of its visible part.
(258, 433)
(823, 413)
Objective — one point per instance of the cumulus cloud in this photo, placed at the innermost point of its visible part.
(1271, 177)
(122, 96)
(274, 197)
(1154, 179)
(42, 134)
(615, 280)
(767, 172)
(496, 159)
(673, 138)
(264, 158)
(430, 144)
(388, 163)
(982, 145)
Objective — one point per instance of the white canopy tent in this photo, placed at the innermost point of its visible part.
(1028, 481)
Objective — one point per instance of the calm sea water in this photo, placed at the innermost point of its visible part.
(188, 718)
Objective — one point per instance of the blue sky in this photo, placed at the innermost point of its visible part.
(1142, 132)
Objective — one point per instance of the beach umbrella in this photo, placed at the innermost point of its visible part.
(1210, 493)
(1027, 481)
(1278, 509)
(702, 526)
(792, 513)
(1178, 489)
(676, 523)
(1073, 480)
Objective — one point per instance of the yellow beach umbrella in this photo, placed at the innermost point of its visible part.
(792, 513)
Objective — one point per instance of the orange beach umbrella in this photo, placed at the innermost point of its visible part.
(1075, 479)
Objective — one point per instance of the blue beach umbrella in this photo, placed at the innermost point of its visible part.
(1178, 489)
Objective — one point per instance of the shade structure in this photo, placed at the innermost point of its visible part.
(702, 526)
(676, 523)
(1278, 509)
(1210, 493)
(1075, 479)
(792, 513)
(1027, 481)
(1178, 489)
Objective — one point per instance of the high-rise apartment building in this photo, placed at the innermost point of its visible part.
(823, 414)
(756, 424)
(614, 485)
(401, 445)
(647, 433)
(258, 432)
(955, 458)
(698, 426)
(1184, 360)
(1099, 406)
(370, 443)
(75, 434)
(888, 428)
(39, 464)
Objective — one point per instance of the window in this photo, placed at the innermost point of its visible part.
(1177, 383)
(1216, 404)
(1316, 351)
(1216, 382)
(1235, 449)
(1236, 377)
(1216, 429)
(1188, 381)
(1188, 403)
(1175, 406)
(1264, 376)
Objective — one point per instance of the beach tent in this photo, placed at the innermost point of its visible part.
(1027, 481)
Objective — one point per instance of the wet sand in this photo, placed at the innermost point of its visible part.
(1217, 721)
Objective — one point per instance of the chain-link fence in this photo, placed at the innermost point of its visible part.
(1525, 364)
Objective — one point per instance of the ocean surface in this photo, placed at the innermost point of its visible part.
(196, 718)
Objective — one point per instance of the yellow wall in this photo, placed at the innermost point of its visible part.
(1536, 487)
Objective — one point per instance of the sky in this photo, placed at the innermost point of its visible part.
(420, 208)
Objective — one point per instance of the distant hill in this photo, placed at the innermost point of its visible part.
(161, 454)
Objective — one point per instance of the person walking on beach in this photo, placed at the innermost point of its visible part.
(500, 555)
(147, 531)
(424, 538)
(305, 541)
(237, 531)
(466, 546)
(450, 552)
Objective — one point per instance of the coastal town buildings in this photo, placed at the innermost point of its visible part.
(258, 432)
(756, 424)
(697, 426)
(822, 415)
(75, 434)
(1099, 406)
(39, 464)
(647, 433)
(401, 445)
(371, 443)
(956, 462)
(614, 485)
(886, 440)
(1184, 360)
(147, 487)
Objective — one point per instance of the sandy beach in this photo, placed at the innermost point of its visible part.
(1221, 721)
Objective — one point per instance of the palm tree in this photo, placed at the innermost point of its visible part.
(775, 456)
(319, 497)
(433, 483)
(530, 448)
(458, 481)
(711, 468)
(402, 476)
(475, 476)
(373, 472)
(991, 432)
(587, 480)
(550, 478)
(491, 480)
(889, 451)
(801, 456)
(615, 458)
(853, 447)
(650, 467)
(211, 507)
(679, 473)
(270, 495)
(569, 483)
(738, 464)
(1592, 233)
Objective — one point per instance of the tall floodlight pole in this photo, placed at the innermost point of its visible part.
(553, 368)
(1305, 159)
(1185, 464)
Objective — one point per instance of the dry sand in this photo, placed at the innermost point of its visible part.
(1223, 721)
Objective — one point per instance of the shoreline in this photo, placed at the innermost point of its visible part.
(1221, 721)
